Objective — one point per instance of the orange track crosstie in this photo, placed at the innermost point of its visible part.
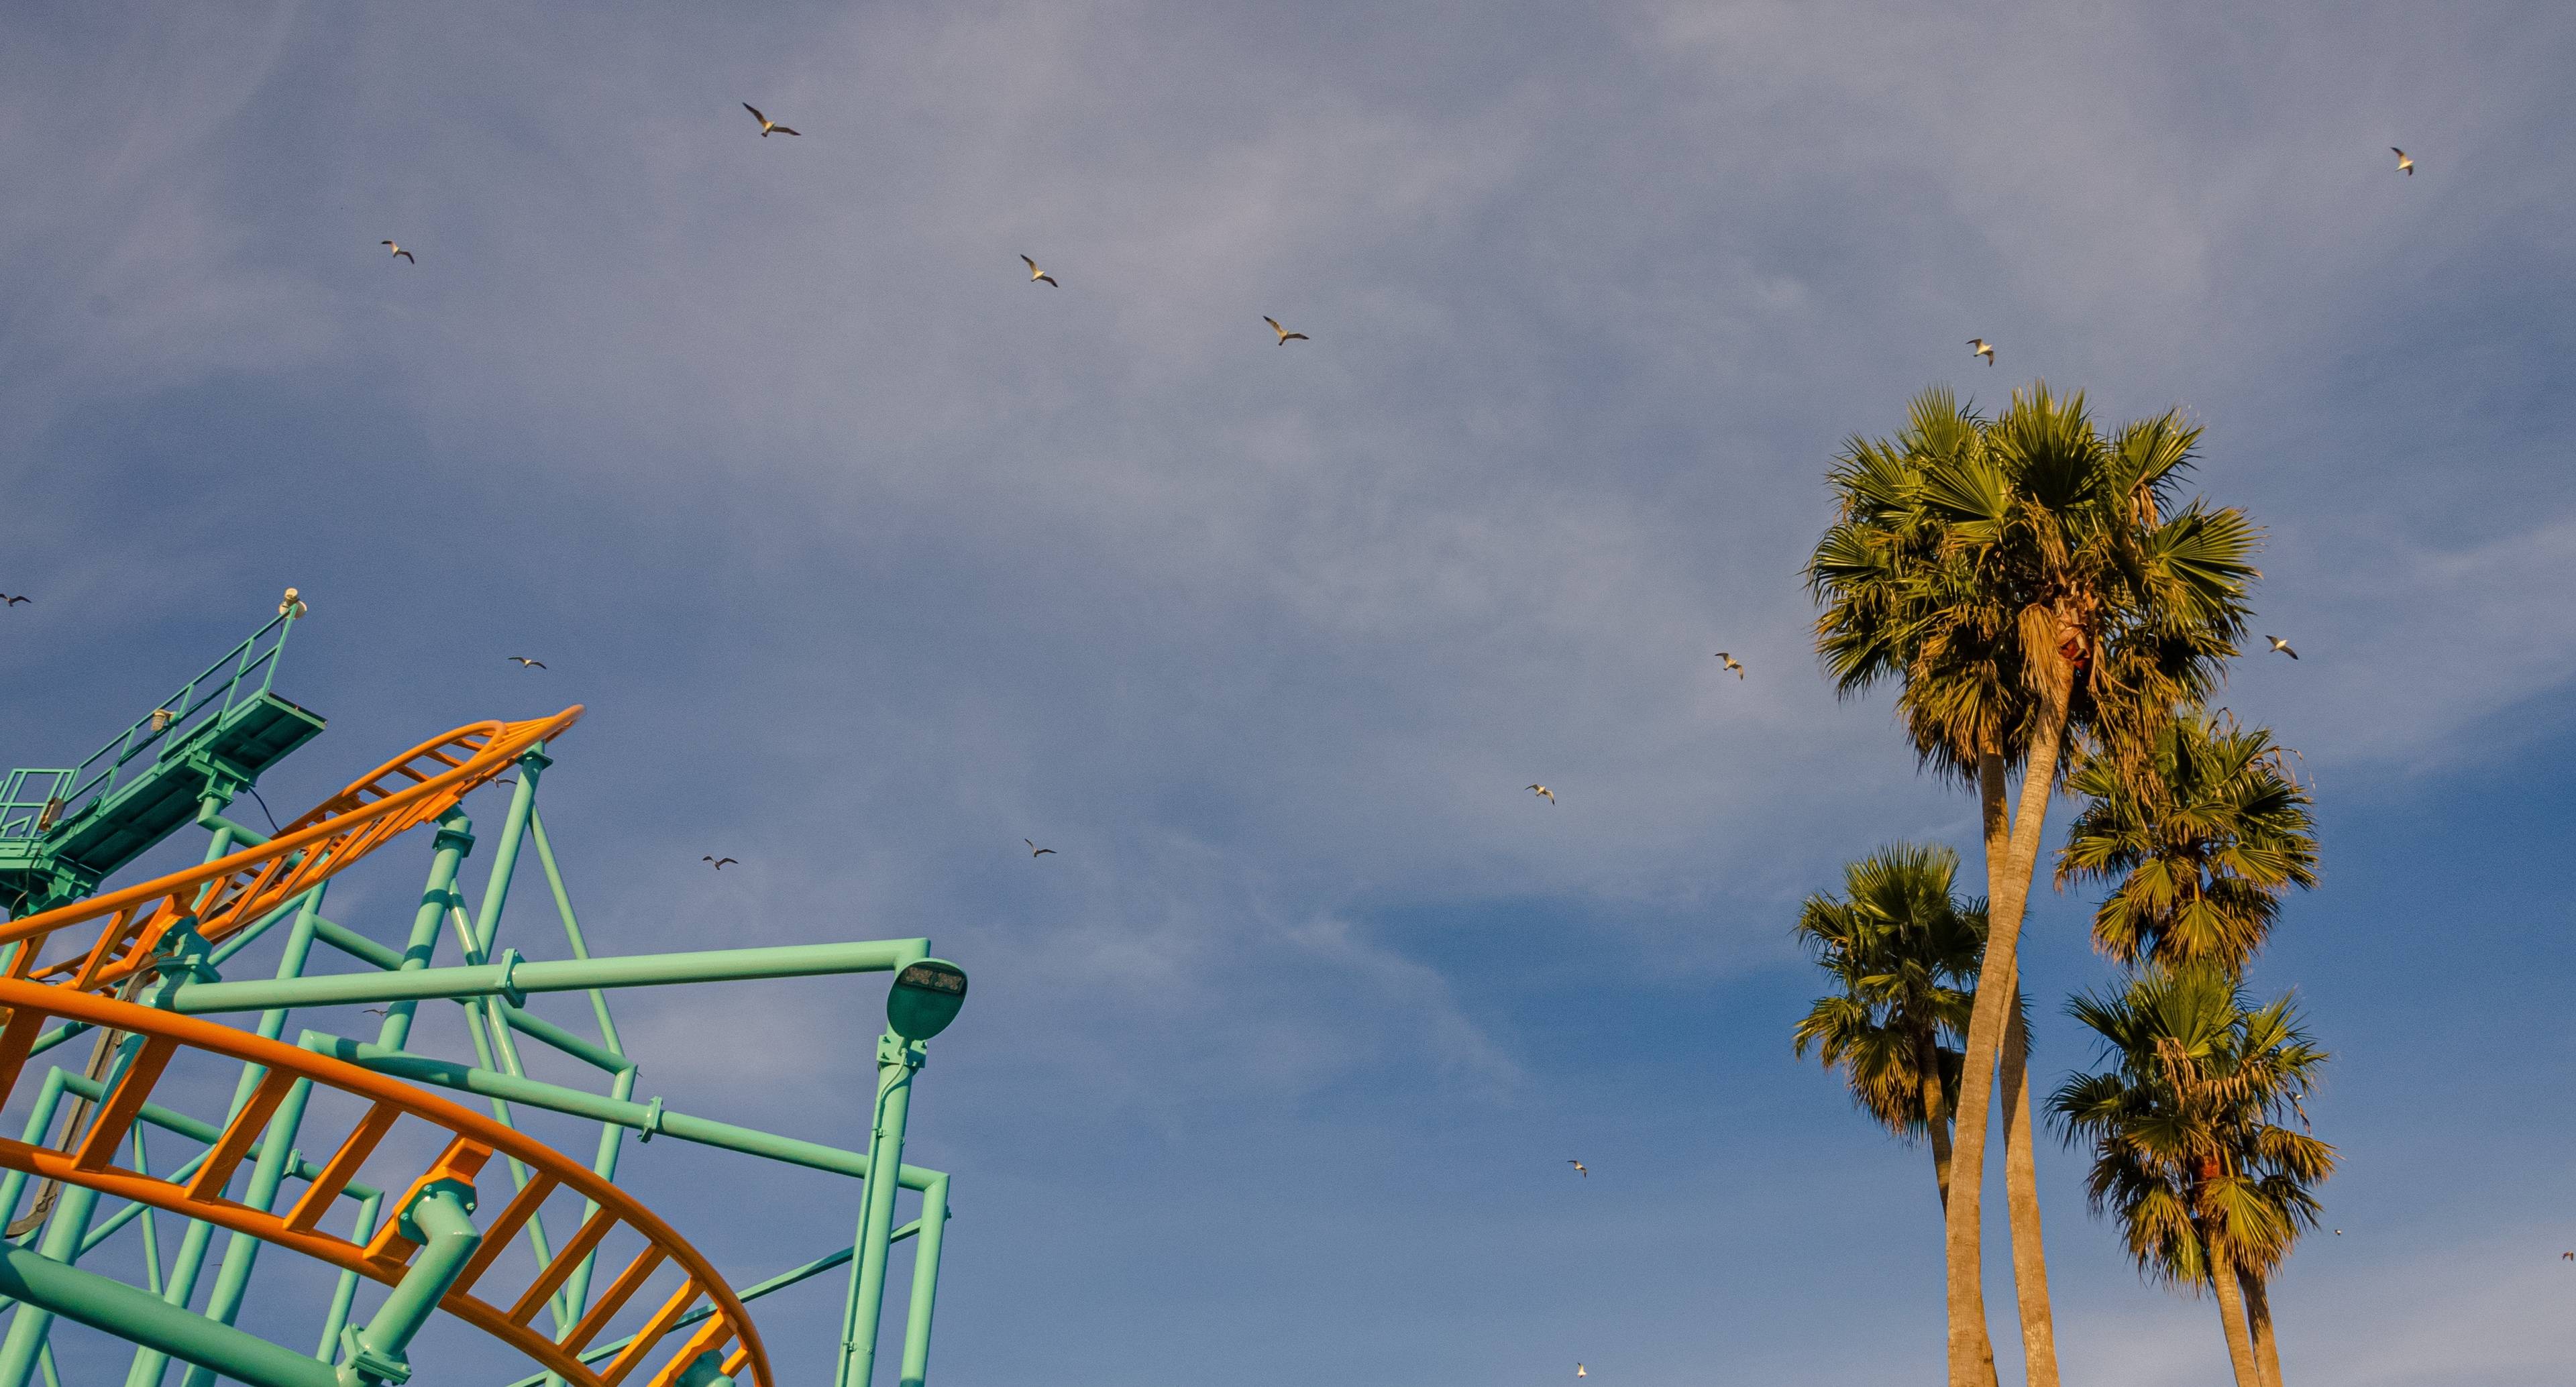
(232, 892)
(472, 1140)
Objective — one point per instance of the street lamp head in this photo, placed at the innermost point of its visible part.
(925, 998)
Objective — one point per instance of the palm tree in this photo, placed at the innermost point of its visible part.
(1901, 951)
(2189, 1155)
(2202, 838)
(2033, 587)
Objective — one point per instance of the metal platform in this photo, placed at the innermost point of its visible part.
(64, 830)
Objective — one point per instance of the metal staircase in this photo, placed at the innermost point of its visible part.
(63, 830)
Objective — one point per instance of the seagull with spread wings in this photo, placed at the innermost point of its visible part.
(1285, 336)
(1036, 851)
(2281, 646)
(399, 252)
(1732, 663)
(1983, 348)
(11, 600)
(721, 861)
(524, 662)
(1543, 793)
(2405, 165)
(768, 127)
(1578, 1169)
(1036, 274)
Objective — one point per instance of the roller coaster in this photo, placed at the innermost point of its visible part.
(374, 1135)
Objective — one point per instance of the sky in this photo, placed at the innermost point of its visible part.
(870, 558)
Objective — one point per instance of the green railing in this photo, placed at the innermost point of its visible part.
(33, 801)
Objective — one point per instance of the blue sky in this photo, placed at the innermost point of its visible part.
(871, 559)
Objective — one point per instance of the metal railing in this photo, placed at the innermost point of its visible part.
(32, 801)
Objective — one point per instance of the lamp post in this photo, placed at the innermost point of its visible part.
(926, 996)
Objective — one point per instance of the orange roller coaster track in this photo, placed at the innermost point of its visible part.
(232, 892)
(472, 1140)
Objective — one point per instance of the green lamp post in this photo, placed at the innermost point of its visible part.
(926, 996)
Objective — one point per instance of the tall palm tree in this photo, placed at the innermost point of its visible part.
(2033, 587)
(1901, 951)
(2202, 838)
(2189, 1154)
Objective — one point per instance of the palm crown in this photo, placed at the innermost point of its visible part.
(2189, 1154)
(1901, 952)
(2202, 838)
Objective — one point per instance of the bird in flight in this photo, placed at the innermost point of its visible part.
(524, 662)
(2405, 165)
(375, 1011)
(2563, 1256)
(1586, 1174)
(768, 127)
(399, 251)
(1544, 793)
(1285, 336)
(2282, 646)
(1036, 851)
(1036, 274)
(290, 605)
(1732, 663)
(721, 861)
(12, 600)
(1579, 1372)
(1983, 348)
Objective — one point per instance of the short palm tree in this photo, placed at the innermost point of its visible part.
(2189, 1154)
(2033, 586)
(2202, 837)
(1901, 952)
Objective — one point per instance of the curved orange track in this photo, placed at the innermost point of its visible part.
(232, 892)
(472, 1140)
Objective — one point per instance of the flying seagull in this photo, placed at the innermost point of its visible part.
(1544, 793)
(768, 127)
(1578, 1371)
(1036, 274)
(721, 861)
(1579, 1170)
(1983, 348)
(2282, 646)
(2405, 165)
(1285, 336)
(13, 601)
(1036, 851)
(1732, 663)
(290, 605)
(399, 251)
(524, 662)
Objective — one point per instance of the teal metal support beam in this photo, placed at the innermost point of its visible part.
(648, 1118)
(933, 1226)
(375, 1354)
(897, 1060)
(356, 945)
(511, 975)
(141, 1317)
(505, 855)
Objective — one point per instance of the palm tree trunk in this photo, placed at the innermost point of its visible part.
(1971, 1356)
(2021, 1201)
(2258, 1321)
(2231, 1317)
(1936, 1113)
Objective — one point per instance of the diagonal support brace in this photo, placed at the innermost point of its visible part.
(373, 1356)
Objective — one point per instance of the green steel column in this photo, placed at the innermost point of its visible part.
(505, 855)
(63, 1234)
(896, 1061)
(925, 1282)
(241, 1251)
(138, 1315)
(437, 1221)
(150, 1365)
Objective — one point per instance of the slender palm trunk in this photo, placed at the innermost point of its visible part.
(2231, 1317)
(1936, 1112)
(2007, 891)
(2258, 1320)
(2021, 1201)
